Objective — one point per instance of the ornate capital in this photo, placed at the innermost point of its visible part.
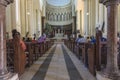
(110, 2)
(5, 2)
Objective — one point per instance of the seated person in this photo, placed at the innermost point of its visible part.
(42, 39)
(82, 40)
(23, 39)
(28, 40)
(79, 36)
(34, 40)
(88, 39)
(93, 40)
(103, 39)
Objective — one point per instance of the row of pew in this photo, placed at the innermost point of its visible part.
(94, 56)
(18, 60)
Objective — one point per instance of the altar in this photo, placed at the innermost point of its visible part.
(59, 36)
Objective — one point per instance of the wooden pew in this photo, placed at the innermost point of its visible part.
(10, 57)
(16, 57)
(91, 58)
(36, 52)
(42, 48)
(84, 47)
(101, 55)
(78, 50)
(29, 53)
(119, 55)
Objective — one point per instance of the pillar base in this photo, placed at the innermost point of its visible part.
(9, 76)
(100, 75)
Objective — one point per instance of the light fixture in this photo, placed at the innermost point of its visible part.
(28, 13)
(87, 13)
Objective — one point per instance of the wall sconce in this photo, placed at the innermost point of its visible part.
(87, 13)
(28, 13)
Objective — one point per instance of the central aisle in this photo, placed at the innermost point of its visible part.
(57, 68)
(57, 64)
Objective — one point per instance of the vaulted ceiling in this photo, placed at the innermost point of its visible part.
(58, 2)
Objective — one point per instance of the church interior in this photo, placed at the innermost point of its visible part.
(59, 40)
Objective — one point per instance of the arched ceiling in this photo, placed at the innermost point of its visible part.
(58, 2)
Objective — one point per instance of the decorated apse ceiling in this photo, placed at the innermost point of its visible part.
(58, 2)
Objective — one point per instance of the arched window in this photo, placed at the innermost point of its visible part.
(62, 17)
(48, 16)
(53, 17)
(65, 16)
(69, 16)
(58, 17)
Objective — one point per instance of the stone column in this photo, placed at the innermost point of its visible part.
(4, 74)
(23, 17)
(112, 70)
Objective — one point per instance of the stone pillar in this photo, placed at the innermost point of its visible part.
(112, 70)
(4, 74)
(23, 17)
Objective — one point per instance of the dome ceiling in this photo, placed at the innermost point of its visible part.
(58, 2)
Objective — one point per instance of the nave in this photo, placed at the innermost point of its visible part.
(59, 63)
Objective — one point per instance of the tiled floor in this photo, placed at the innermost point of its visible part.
(57, 64)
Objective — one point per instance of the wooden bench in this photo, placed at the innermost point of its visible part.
(16, 57)
(91, 58)
(10, 57)
(29, 53)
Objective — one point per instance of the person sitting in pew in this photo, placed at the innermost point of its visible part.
(82, 40)
(42, 38)
(79, 36)
(88, 39)
(34, 40)
(28, 40)
(23, 39)
(118, 38)
(93, 40)
(103, 39)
